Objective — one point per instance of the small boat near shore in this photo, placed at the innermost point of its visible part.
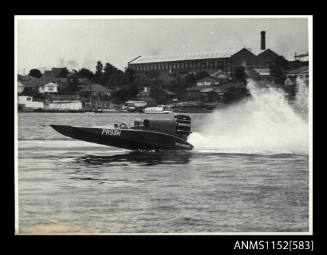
(146, 135)
(160, 109)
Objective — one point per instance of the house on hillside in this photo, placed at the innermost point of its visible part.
(34, 85)
(48, 88)
(95, 95)
(164, 96)
(59, 76)
(94, 89)
(20, 87)
(64, 78)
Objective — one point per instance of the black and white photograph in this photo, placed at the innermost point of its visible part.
(163, 124)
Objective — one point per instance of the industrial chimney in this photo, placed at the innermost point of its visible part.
(263, 40)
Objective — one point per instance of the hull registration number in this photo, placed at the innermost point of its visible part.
(115, 132)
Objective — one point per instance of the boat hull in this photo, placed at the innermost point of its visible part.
(131, 139)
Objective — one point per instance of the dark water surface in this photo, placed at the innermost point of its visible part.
(69, 186)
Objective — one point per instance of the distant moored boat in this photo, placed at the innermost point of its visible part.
(160, 109)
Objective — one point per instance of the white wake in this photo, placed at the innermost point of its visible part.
(264, 123)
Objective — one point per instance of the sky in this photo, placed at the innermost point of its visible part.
(44, 42)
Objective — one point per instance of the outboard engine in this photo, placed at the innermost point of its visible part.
(183, 125)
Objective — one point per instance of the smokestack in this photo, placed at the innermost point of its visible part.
(263, 40)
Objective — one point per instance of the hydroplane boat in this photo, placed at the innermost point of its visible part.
(146, 135)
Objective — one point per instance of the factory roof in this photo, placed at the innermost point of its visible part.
(186, 56)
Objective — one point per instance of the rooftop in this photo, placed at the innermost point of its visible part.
(94, 88)
(186, 56)
(300, 70)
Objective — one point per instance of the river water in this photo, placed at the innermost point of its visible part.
(248, 172)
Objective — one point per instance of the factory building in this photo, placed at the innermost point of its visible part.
(227, 61)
